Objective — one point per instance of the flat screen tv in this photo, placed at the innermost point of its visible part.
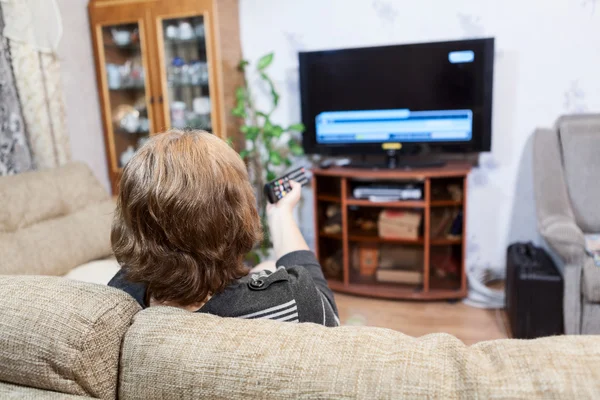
(411, 97)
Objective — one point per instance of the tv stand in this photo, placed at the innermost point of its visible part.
(393, 161)
(344, 230)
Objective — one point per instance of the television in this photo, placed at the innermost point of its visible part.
(414, 98)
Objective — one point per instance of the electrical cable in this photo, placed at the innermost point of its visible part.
(480, 295)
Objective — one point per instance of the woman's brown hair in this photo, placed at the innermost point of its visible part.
(185, 218)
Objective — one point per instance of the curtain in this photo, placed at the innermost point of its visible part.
(15, 155)
(37, 74)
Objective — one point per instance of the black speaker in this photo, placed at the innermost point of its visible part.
(534, 292)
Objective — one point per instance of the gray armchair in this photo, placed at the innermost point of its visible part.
(566, 169)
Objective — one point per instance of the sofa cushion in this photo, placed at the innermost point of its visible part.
(55, 246)
(37, 196)
(99, 271)
(580, 140)
(171, 353)
(8, 391)
(62, 335)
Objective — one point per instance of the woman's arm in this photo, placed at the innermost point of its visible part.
(290, 247)
(285, 234)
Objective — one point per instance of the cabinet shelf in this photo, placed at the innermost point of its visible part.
(446, 203)
(329, 198)
(133, 134)
(369, 238)
(445, 241)
(126, 47)
(188, 85)
(195, 41)
(337, 236)
(395, 291)
(128, 88)
(393, 204)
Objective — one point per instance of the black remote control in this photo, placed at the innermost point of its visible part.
(276, 189)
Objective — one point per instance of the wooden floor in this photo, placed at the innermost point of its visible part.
(469, 324)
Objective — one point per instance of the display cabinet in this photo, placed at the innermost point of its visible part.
(163, 64)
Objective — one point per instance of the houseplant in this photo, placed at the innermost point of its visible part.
(267, 148)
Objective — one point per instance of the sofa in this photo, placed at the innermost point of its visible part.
(61, 338)
(56, 222)
(567, 193)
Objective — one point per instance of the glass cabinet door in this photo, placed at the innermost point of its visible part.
(188, 99)
(129, 118)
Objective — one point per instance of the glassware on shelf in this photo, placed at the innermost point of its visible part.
(187, 72)
(201, 105)
(186, 32)
(171, 32)
(198, 73)
(126, 155)
(178, 114)
(175, 71)
(121, 37)
(113, 76)
(126, 81)
(125, 76)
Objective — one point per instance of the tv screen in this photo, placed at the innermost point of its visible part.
(437, 95)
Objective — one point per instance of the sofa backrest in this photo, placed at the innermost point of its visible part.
(580, 142)
(174, 354)
(53, 220)
(62, 335)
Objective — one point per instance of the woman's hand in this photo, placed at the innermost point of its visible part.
(288, 202)
(285, 234)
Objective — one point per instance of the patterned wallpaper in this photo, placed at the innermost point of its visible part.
(547, 60)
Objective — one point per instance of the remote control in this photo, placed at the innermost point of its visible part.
(276, 189)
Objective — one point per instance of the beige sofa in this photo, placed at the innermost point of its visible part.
(56, 222)
(63, 339)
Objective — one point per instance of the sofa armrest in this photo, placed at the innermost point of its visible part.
(556, 220)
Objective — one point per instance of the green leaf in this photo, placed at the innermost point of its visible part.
(299, 127)
(242, 65)
(268, 129)
(262, 114)
(240, 94)
(274, 93)
(244, 153)
(264, 61)
(275, 158)
(295, 148)
(252, 258)
(244, 128)
(239, 112)
(229, 141)
(252, 132)
(288, 162)
(277, 131)
(271, 176)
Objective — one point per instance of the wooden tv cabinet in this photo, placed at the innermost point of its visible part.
(333, 189)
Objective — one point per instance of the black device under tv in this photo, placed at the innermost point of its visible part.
(398, 100)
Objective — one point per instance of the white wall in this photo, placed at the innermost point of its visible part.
(547, 63)
(84, 122)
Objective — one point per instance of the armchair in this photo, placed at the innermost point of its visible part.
(567, 194)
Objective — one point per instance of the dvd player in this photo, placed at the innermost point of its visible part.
(401, 192)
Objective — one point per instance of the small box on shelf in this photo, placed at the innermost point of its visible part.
(394, 224)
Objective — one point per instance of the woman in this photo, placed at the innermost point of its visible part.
(186, 217)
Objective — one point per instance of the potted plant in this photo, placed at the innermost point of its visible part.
(268, 147)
